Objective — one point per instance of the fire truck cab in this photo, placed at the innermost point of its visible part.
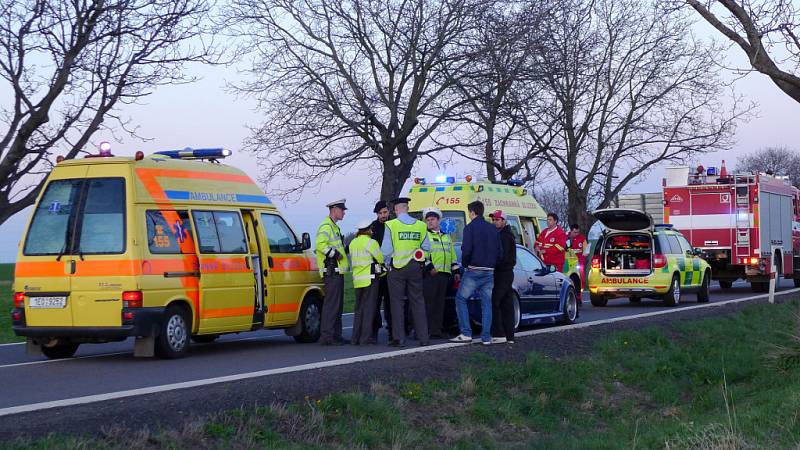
(747, 225)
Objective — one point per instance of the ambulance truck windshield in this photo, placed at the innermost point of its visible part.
(79, 216)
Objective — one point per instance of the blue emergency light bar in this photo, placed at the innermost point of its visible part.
(197, 153)
(514, 182)
(441, 179)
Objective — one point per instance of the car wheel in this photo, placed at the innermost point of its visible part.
(205, 338)
(704, 294)
(173, 337)
(635, 299)
(725, 284)
(673, 296)
(517, 312)
(598, 300)
(570, 314)
(60, 350)
(310, 321)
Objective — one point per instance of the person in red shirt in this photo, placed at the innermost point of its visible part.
(579, 246)
(551, 245)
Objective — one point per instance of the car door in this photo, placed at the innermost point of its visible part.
(691, 270)
(541, 283)
(288, 269)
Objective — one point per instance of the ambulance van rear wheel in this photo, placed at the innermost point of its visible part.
(673, 296)
(598, 300)
(173, 338)
(310, 320)
(60, 350)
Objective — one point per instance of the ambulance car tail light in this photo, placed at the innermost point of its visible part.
(595, 262)
(659, 261)
(128, 316)
(419, 180)
(19, 300)
(132, 299)
(16, 316)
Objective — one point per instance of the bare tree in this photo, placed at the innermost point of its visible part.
(554, 199)
(768, 31)
(773, 160)
(626, 89)
(342, 82)
(69, 64)
(489, 127)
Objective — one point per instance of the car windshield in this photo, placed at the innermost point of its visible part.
(85, 216)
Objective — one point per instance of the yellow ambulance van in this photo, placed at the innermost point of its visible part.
(526, 218)
(166, 248)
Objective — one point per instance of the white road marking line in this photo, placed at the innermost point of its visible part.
(22, 343)
(340, 362)
(30, 363)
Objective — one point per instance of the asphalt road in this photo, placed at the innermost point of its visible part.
(98, 370)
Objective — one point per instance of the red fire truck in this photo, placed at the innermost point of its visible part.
(741, 222)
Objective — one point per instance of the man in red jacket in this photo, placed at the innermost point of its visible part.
(551, 244)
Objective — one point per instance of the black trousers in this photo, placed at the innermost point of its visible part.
(382, 300)
(405, 287)
(434, 288)
(365, 313)
(332, 308)
(503, 305)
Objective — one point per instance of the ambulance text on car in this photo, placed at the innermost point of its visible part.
(526, 218)
(164, 248)
(635, 259)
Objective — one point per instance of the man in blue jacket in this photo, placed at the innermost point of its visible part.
(480, 254)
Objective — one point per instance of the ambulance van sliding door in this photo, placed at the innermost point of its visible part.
(256, 248)
(226, 278)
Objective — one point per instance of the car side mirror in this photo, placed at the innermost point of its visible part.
(551, 269)
(306, 241)
(697, 252)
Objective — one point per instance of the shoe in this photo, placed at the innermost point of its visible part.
(461, 338)
(396, 343)
(424, 344)
(510, 342)
(486, 342)
(499, 340)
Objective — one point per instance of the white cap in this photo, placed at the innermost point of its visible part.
(337, 203)
(364, 224)
(436, 211)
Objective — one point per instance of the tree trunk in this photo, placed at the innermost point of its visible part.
(578, 206)
(395, 176)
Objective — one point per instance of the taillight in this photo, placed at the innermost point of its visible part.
(659, 261)
(132, 299)
(595, 262)
(753, 261)
(19, 300)
(16, 316)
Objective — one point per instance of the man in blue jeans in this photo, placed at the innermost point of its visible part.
(480, 253)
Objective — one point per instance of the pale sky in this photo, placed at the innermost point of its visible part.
(205, 115)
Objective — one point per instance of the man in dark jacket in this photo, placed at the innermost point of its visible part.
(503, 320)
(480, 253)
(381, 211)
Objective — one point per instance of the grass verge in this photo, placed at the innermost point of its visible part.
(6, 304)
(708, 384)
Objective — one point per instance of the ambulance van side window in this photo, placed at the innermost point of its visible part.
(280, 237)
(219, 232)
(516, 229)
(169, 232)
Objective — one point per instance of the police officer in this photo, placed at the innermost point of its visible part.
(443, 262)
(367, 260)
(381, 211)
(405, 245)
(332, 263)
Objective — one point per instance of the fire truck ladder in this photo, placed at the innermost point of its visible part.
(742, 190)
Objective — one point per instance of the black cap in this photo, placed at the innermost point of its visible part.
(399, 200)
(379, 206)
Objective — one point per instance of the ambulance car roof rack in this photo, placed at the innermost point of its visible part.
(211, 154)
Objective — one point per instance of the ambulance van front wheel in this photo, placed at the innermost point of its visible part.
(173, 337)
(310, 320)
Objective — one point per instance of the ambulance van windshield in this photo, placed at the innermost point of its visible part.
(452, 223)
(79, 216)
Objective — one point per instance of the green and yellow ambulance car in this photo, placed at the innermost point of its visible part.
(636, 259)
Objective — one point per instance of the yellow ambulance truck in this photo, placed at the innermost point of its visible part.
(164, 248)
(526, 218)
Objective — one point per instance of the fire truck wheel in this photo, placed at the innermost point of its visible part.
(598, 300)
(673, 296)
(704, 294)
(635, 299)
(173, 337)
(725, 284)
(759, 286)
(310, 320)
(60, 350)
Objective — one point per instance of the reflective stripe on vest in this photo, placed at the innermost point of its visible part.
(441, 251)
(329, 235)
(406, 240)
(362, 254)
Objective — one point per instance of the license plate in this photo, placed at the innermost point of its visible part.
(47, 302)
